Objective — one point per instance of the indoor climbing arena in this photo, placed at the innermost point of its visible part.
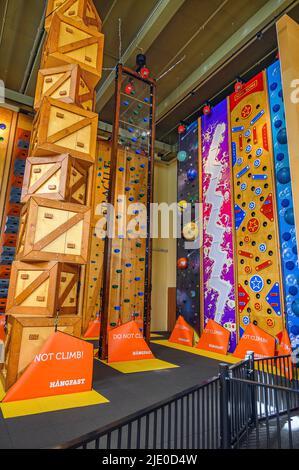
(149, 227)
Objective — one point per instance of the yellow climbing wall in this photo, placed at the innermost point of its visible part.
(257, 251)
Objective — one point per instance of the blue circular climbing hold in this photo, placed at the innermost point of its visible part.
(290, 265)
(286, 236)
(252, 205)
(295, 309)
(293, 290)
(256, 284)
(247, 134)
(192, 174)
(273, 86)
(284, 175)
(259, 152)
(295, 330)
(182, 156)
(276, 108)
(258, 191)
(280, 157)
(278, 123)
(285, 203)
(295, 250)
(289, 216)
(117, 251)
(280, 94)
(121, 169)
(263, 248)
(243, 187)
(248, 149)
(257, 163)
(240, 161)
(282, 137)
(2, 126)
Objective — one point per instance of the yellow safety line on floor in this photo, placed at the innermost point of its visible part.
(50, 404)
(146, 365)
(153, 335)
(198, 352)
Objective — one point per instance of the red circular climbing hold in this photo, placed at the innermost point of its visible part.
(144, 72)
(182, 264)
(207, 110)
(181, 129)
(253, 225)
(129, 88)
(238, 86)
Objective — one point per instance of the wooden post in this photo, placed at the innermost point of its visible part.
(288, 40)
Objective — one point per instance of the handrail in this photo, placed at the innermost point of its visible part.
(260, 384)
(110, 428)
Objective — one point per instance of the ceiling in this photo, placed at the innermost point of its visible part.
(211, 41)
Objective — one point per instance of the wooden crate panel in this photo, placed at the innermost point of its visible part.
(26, 337)
(53, 230)
(66, 83)
(43, 288)
(60, 127)
(77, 10)
(70, 42)
(60, 177)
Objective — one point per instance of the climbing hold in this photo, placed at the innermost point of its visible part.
(182, 264)
(182, 156)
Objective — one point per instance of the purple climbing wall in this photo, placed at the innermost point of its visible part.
(218, 299)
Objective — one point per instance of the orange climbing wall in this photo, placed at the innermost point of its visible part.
(128, 247)
(94, 272)
(258, 257)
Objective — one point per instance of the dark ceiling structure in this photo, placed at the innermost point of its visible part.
(195, 48)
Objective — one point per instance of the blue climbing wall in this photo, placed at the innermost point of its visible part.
(287, 229)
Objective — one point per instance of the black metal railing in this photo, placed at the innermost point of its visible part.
(189, 420)
(253, 404)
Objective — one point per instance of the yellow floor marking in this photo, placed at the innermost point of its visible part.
(198, 352)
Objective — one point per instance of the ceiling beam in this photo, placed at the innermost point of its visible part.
(153, 26)
(20, 99)
(248, 31)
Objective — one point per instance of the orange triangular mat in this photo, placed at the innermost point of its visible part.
(126, 343)
(63, 366)
(256, 340)
(182, 333)
(285, 349)
(94, 328)
(214, 338)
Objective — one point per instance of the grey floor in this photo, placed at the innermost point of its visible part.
(127, 393)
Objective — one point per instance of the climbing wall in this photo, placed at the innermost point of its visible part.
(258, 255)
(287, 229)
(188, 264)
(94, 271)
(15, 157)
(218, 287)
(129, 247)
